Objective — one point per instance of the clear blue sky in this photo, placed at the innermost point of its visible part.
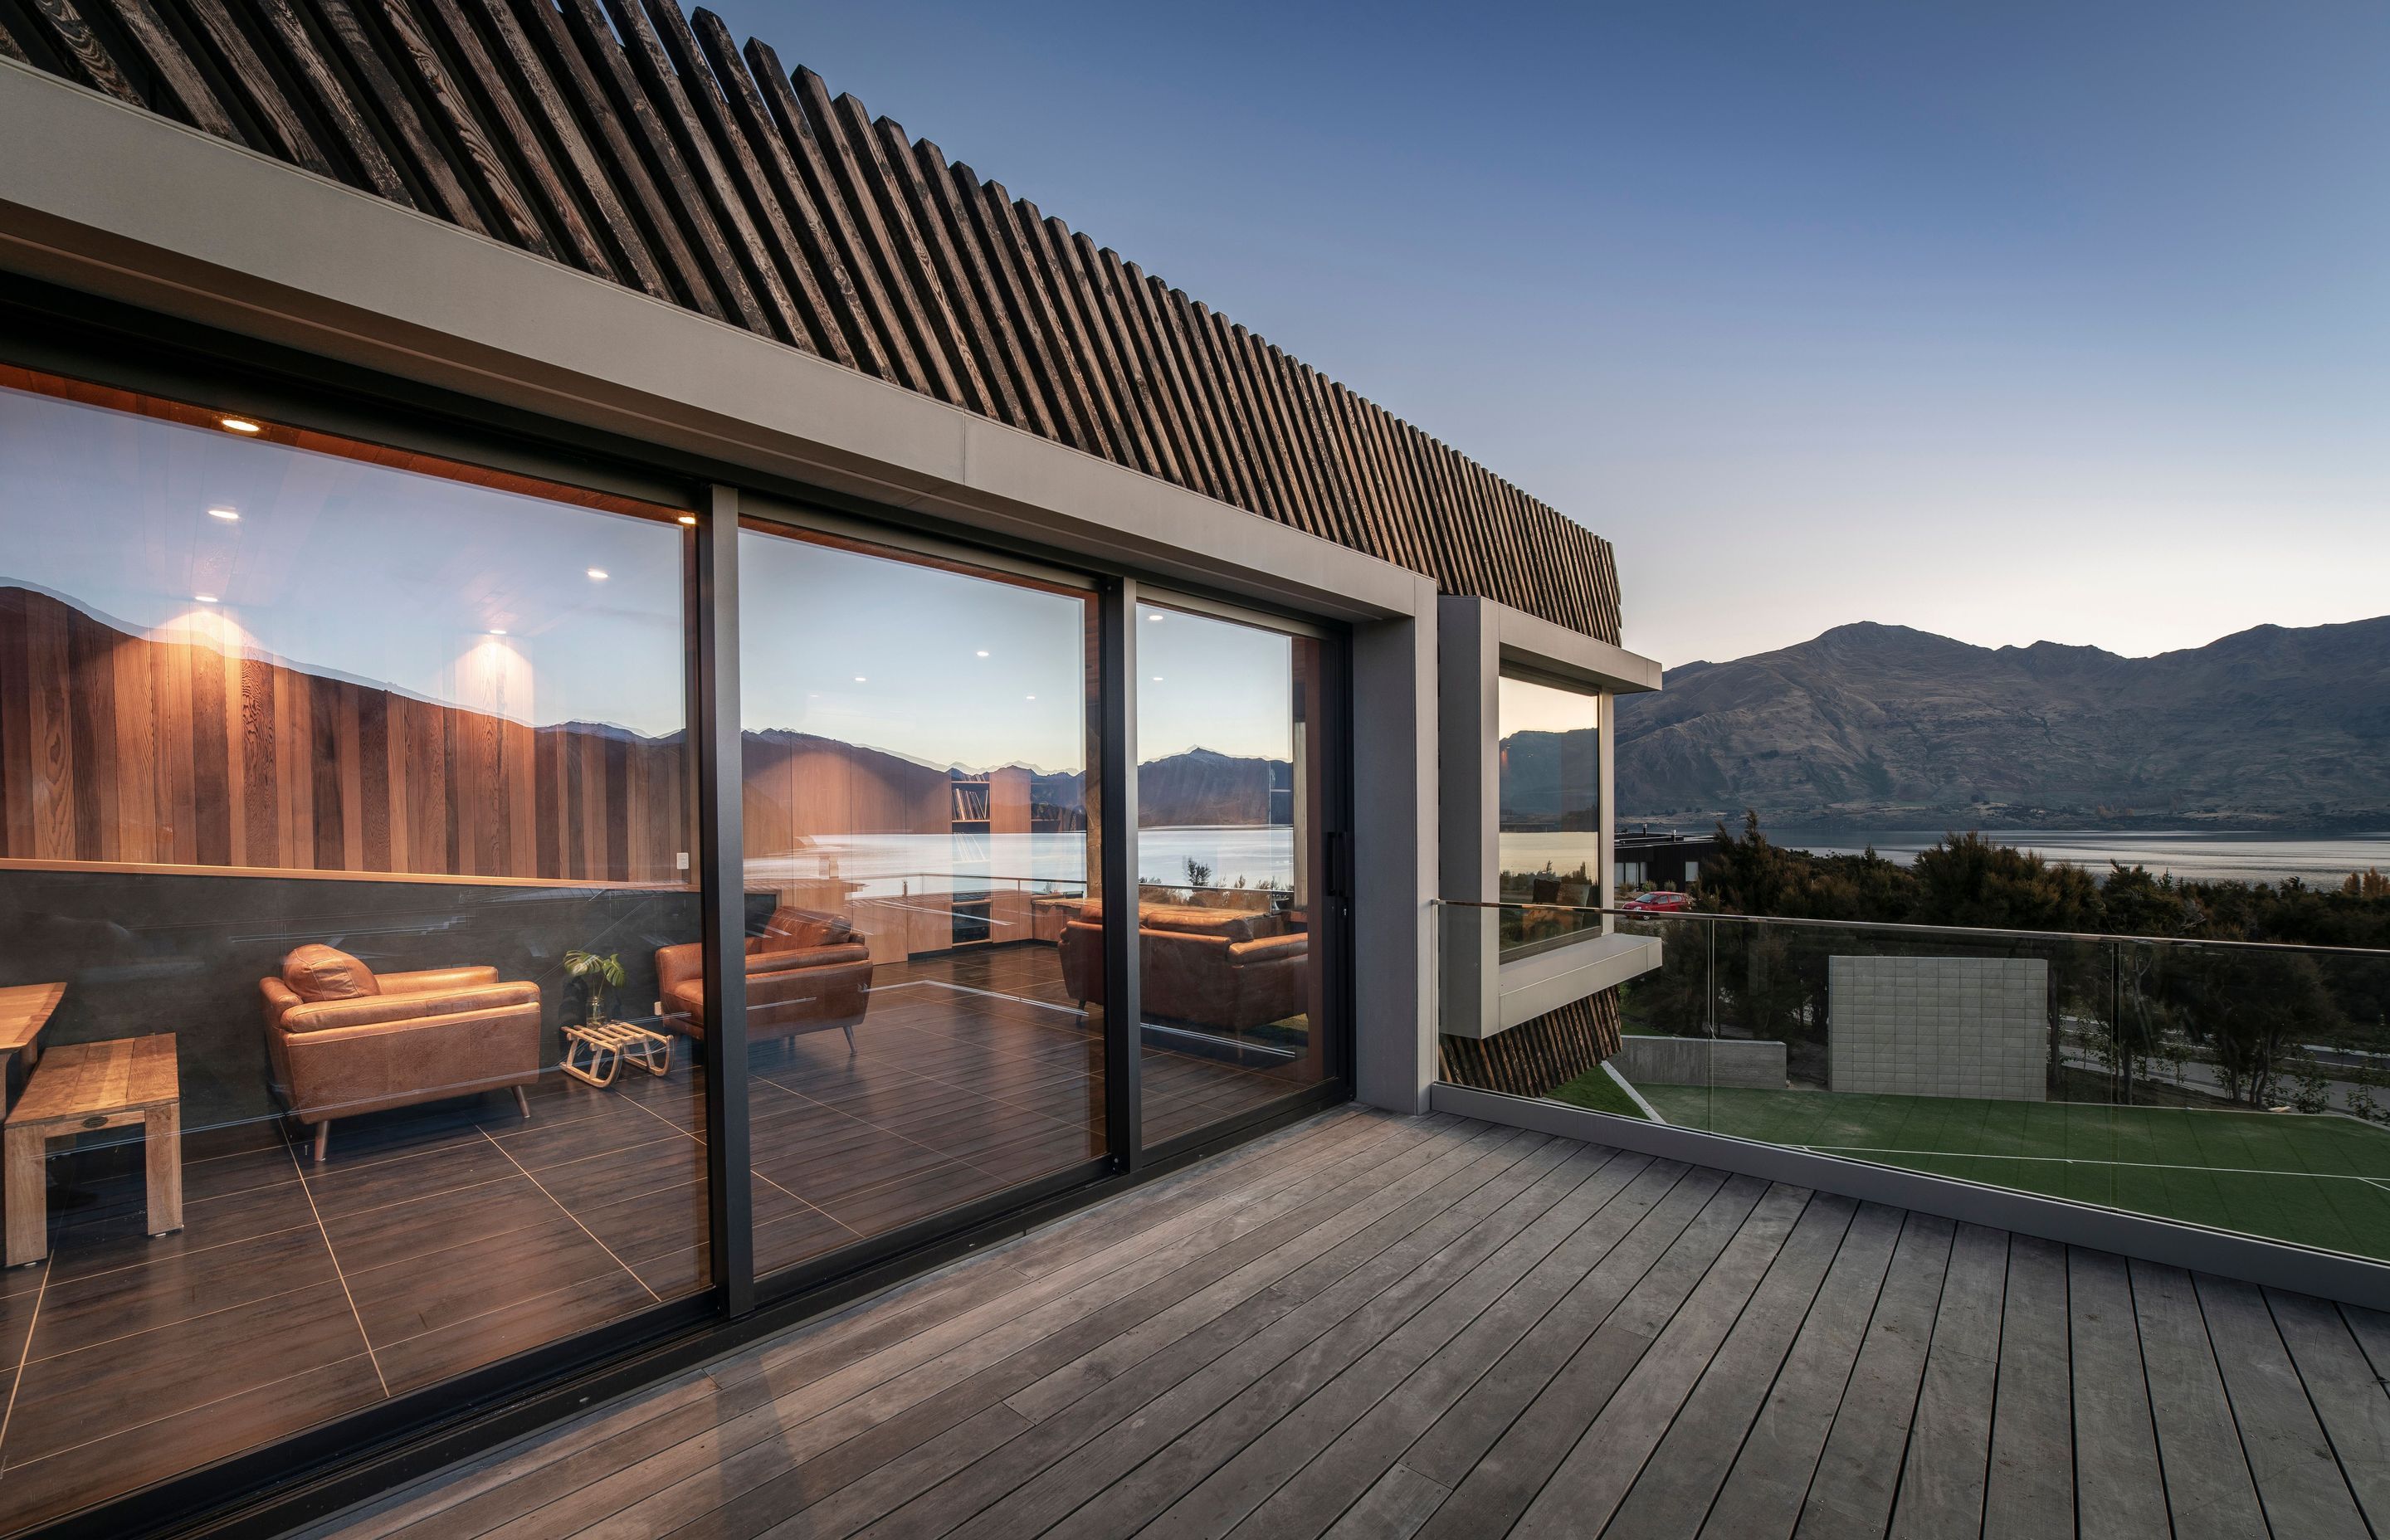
(2009, 322)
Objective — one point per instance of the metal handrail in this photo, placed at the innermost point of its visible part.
(1906, 927)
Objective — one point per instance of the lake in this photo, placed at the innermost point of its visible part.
(885, 865)
(2192, 854)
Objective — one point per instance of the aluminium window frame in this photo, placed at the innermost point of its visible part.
(321, 1470)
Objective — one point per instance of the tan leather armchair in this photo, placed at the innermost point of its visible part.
(1231, 970)
(806, 972)
(346, 1040)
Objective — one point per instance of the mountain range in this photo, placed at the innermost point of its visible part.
(1885, 726)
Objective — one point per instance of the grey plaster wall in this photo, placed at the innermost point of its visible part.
(1939, 1026)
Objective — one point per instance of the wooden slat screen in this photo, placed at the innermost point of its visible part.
(121, 749)
(642, 146)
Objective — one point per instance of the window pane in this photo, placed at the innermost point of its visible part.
(1549, 828)
(319, 763)
(924, 973)
(1230, 831)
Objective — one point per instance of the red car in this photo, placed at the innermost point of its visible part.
(1659, 902)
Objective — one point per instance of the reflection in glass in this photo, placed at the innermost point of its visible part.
(1548, 827)
(318, 762)
(1230, 832)
(923, 1030)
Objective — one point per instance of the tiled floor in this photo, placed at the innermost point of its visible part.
(439, 1238)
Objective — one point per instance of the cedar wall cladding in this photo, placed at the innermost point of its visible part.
(644, 147)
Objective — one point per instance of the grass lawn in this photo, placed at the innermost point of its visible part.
(1595, 1091)
(2313, 1180)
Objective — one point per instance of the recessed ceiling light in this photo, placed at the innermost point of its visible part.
(1032, 698)
(230, 516)
(982, 652)
(205, 598)
(1157, 679)
(497, 631)
(1156, 619)
(597, 574)
(688, 518)
(861, 680)
(242, 425)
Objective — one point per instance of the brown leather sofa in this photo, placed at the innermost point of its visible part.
(346, 1040)
(1230, 969)
(806, 972)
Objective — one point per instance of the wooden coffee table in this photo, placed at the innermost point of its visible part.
(81, 1088)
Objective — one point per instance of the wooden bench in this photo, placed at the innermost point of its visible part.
(81, 1088)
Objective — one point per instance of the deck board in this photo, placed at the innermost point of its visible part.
(1368, 1325)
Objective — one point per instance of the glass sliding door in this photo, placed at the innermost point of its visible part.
(345, 811)
(1235, 745)
(925, 966)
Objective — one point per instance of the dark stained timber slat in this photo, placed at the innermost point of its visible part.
(690, 113)
(74, 37)
(600, 56)
(1287, 443)
(1072, 280)
(1146, 356)
(1015, 302)
(358, 136)
(887, 153)
(580, 95)
(811, 160)
(1197, 456)
(642, 144)
(942, 202)
(456, 115)
(932, 352)
(247, 70)
(175, 69)
(854, 340)
(497, 101)
(10, 47)
(1119, 334)
(777, 252)
(992, 208)
(1103, 402)
(589, 173)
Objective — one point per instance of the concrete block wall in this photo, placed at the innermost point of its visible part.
(1756, 1066)
(1939, 1026)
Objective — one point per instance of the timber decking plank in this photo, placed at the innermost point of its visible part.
(1610, 1452)
(744, 1490)
(1278, 1346)
(2348, 1395)
(2299, 1478)
(1044, 1480)
(1362, 1455)
(2209, 1486)
(2029, 1489)
(1673, 1492)
(1396, 1330)
(1951, 1442)
(1770, 1479)
(548, 1463)
(1858, 1473)
(1501, 1486)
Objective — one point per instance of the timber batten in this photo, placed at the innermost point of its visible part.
(640, 145)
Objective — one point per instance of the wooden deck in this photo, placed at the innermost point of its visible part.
(1372, 1326)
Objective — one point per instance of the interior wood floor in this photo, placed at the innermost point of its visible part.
(1378, 1326)
(439, 1238)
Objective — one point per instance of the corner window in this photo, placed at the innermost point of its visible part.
(1548, 822)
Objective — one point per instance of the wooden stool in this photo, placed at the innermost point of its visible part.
(81, 1088)
(607, 1046)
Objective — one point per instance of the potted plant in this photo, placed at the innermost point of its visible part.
(596, 975)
